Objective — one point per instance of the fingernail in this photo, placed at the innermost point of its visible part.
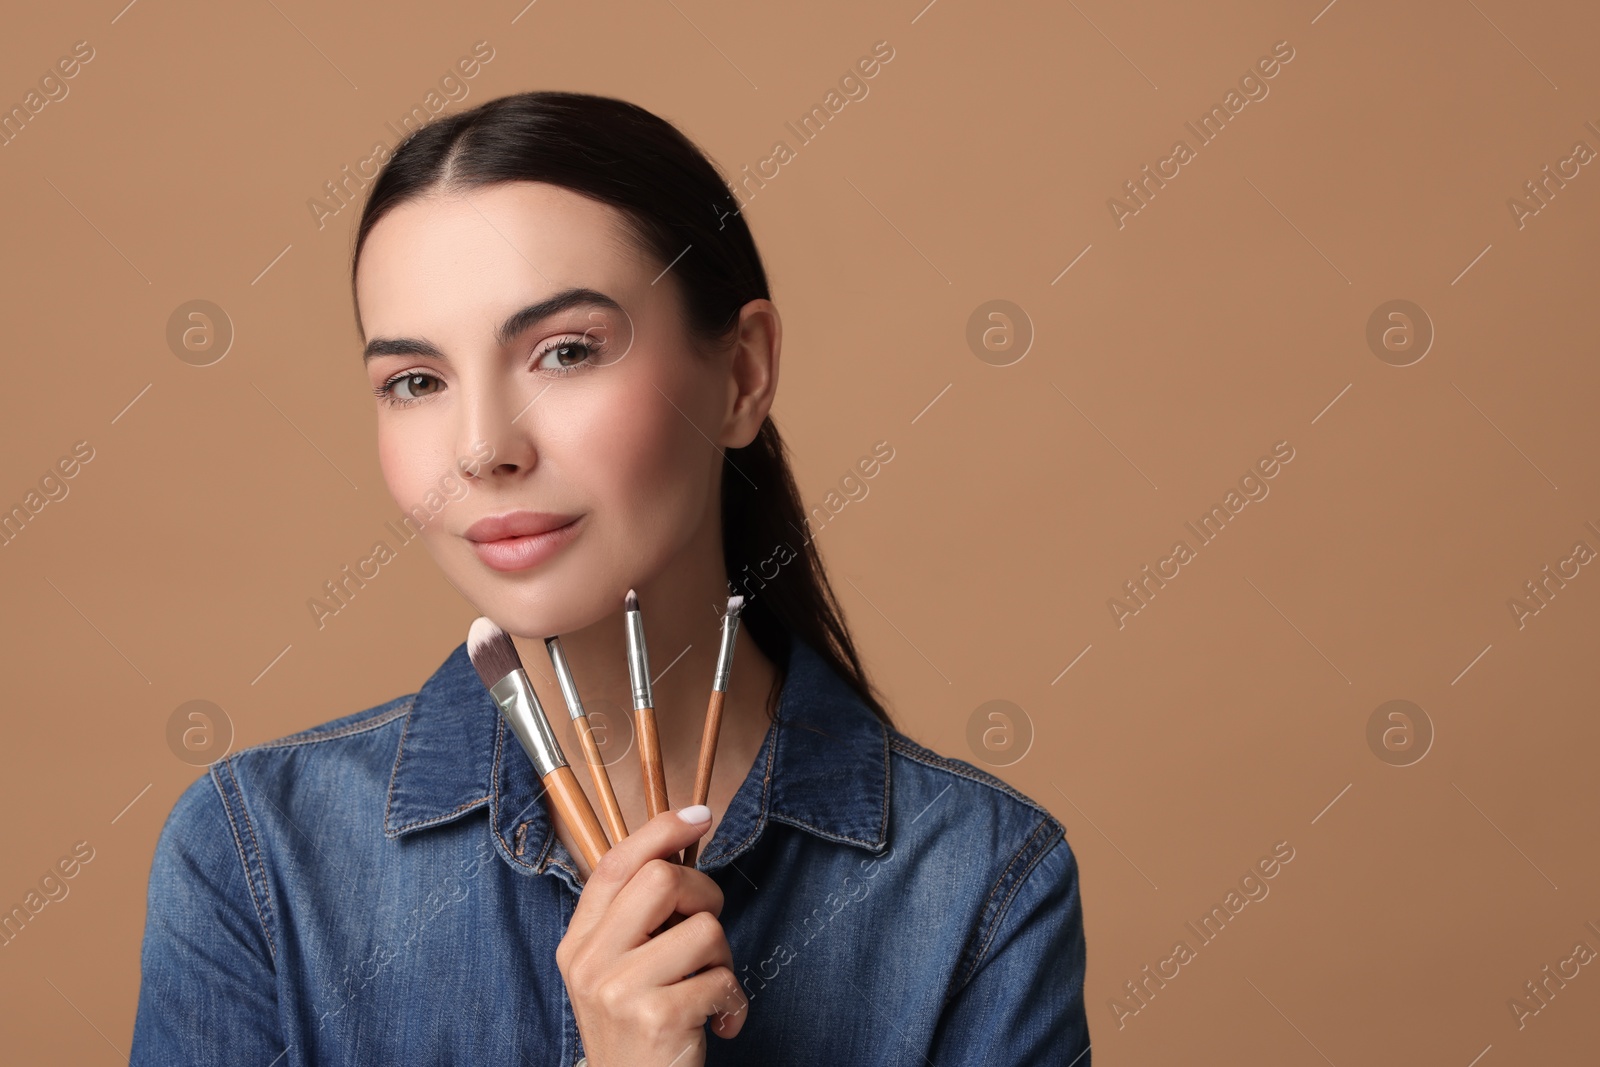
(695, 814)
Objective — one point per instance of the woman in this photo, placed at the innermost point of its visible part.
(567, 324)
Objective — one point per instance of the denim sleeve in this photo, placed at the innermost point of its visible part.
(206, 989)
(1023, 1003)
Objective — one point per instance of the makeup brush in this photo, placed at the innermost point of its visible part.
(498, 664)
(713, 727)
(591, 751)
(644, 712)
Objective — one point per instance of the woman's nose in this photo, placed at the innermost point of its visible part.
(500, 419)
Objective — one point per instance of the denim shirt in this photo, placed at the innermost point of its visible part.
(388, 889)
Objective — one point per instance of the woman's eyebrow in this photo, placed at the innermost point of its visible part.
(505, 333)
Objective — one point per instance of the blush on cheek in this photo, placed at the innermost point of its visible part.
(650, 448)
(418, 474)
(404, 476)
(649, 465)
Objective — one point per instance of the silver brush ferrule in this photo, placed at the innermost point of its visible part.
(730, 630)
(569, 688)
(638, 661)
(520, 706)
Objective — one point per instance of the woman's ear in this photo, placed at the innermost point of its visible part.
(752, 366)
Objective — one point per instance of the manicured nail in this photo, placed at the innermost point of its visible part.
(695, 814)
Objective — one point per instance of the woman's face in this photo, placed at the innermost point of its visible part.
(601, 417)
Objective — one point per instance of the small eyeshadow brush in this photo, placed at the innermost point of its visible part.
(713, 727)
(644, 712)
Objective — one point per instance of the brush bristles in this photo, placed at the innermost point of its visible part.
(491, 651)
(631, 601)
(735, 605)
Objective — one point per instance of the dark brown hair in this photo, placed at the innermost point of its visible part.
(673, 198)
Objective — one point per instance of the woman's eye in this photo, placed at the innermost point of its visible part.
(406, 387)
(565, 355)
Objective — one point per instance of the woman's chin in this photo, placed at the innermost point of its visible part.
(536, 613)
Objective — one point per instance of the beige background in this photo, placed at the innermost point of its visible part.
(1229, 314)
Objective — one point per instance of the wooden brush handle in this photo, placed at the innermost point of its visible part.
(708, 757)
(708, 747)
(602, 781)
(572, 807)
(655, 776)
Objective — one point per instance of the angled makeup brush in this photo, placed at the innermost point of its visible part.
(644, 712)
(498, 664)
(713, 728)
(591, 751)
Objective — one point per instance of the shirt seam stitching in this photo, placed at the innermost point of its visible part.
(763, 815)
(844, 839)
(394, 772)
(911, 750)
(992, 927)
(380, 718)
(244, 859)
(768, 814)
(883, 810)
(394, 776)
(255, 843)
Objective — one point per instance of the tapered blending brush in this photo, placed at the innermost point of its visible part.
(644, 712)
(498, 664)
(591, 751)
(713, 727)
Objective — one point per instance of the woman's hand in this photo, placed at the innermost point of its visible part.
(633, 1004)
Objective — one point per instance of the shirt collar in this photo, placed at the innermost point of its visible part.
(822, 768)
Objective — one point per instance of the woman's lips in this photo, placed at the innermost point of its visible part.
(520, 553)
